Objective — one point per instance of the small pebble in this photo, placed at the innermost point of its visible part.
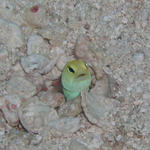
(138, 57)
(75, 145)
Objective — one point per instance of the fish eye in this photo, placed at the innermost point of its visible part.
(71, 70)
(86, 65)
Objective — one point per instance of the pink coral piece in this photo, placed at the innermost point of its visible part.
(13, 106)
(35, 8)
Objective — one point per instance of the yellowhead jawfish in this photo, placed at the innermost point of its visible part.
(75, 78)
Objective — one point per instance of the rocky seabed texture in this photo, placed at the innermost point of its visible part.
(38, 37)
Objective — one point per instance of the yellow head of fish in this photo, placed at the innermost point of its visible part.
(75, 78)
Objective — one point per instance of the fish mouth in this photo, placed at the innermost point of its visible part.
(82, 77)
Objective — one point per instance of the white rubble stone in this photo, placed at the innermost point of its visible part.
(36, 63)
(5, 64)
(55, 33)
(54, 74)
(62, 127)
(75, 145)
(138, 57)
(34, 115)
(99, 109)
(37, 45)
(11, 34)
(20, 86)
(9, 105)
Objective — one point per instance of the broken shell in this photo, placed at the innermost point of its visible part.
(97, 106)
(11, 117)
(98, 109)
(71, 108)
(53, 98)
(34, 115)
(13, 102)
(102, 87)
(9, 106)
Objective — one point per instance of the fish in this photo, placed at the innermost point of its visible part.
(75, 77)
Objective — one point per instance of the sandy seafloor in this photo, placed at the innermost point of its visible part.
(37, 38)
